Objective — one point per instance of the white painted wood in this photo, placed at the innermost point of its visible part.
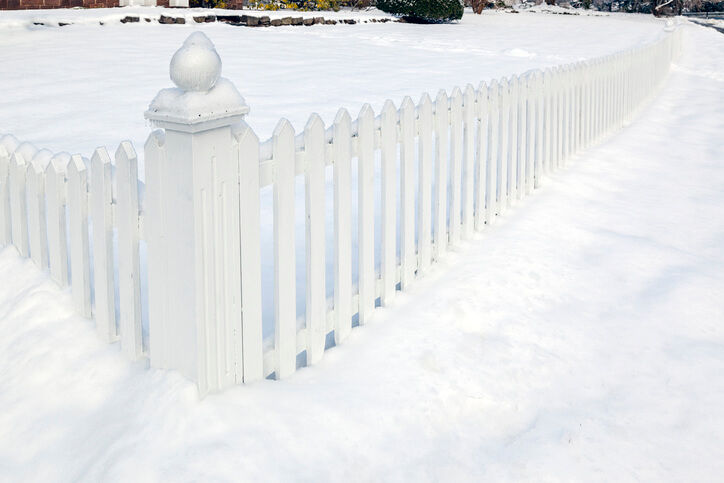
(18, 204)
(441, 178)
(468, 181)
(366, 213)
(514, 127)
(103, 266)
(503, 144)
(547, 89)
(57, 230)
(159, 325)
(482, 155)
(316, 303)
(539, 134)
(79, 249)
(407, 193)
(530, 122)
(285, 300)
(129, 267)
(37, 224)
(250, 227)
(456, 163)
(424, 220)
(342, 225)
(388, 222)
(5, 217)
(491, 170)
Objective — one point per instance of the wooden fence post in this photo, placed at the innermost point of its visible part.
(196, 178)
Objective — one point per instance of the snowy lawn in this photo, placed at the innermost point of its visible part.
(579, 339)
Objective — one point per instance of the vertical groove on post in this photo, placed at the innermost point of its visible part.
(342, 226)
(80, 259)
(103, 266)
(316, 303)
(424, 223)
(128, 251)
(285, 300)
(407, 192)
(388, 222)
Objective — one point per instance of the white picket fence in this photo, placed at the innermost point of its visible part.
(458, 162)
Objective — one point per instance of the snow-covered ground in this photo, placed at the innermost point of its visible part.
(581, 338)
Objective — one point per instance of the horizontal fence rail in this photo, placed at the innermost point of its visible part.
(446, 168)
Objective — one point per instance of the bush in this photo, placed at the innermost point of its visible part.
(427, 11)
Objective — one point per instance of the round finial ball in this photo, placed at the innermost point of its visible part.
(196, 66)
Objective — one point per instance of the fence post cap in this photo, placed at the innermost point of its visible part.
(202, 99)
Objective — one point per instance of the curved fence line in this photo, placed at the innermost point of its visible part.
(427, 176)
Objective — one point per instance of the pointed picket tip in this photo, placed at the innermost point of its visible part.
(342, 116)
(407, 103)
(27, 150)
(4, 152)
(283, 128)
(76, 166)
(156, 139)
(388, 107)
(18, 161)
(314, 122)
(425, 99)
(58, 163)
(100, 157)
(126, 149)
(366, 113)
(503, 82)
(40, 161)
(441, 96)
(10, 143)
(469, 91)
(456, 92)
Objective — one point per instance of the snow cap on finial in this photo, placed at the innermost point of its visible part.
(196, 66)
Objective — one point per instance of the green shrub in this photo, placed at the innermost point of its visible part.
(432, 11)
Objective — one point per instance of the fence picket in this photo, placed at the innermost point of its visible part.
(18, 203)
(482, 155)
(366, 212)
(529, 129)
(441, 157)
(316, 303)
(456, 163)
(5, 216)
(491, 170)
(342, 225)
(513, 133)
(79, 250)
(503, 146)
(424, 223)
(56, 213)
(539, 129)
(407, 192)
(101, 213)
(388, 218)
(470, 127)
(129, 266)
(285, 299)
(37, 226)
(250, 225)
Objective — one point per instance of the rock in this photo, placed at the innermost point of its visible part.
(330, 22)
(308, 21)
(252, 21)
(166, 20)
(130, 19)
(200, 19)
(297, 21)
(287, 21)
(265, 21)
(318, 20)
(210, 18)
(276, 22)
(180, 20)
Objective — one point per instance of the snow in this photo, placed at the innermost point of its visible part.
(578, 339)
